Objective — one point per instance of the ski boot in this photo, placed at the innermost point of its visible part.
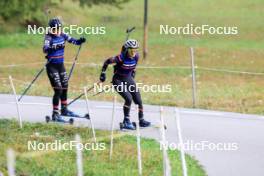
(66, 112)
(127, 125)
(144, 123)
(57, 118)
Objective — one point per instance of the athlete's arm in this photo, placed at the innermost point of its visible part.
(73, 40)
(111, 60)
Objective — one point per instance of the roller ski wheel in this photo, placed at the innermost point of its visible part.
(121, 126)
(48, 119)
(71, 121)
(87, 116)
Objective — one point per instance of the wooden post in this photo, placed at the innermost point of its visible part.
(193, 78)
(145, 39)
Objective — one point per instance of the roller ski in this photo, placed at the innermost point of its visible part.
(144, 124)
(127, 125)
(56, 117)
(66, 112)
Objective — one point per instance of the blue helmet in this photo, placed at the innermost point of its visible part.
(54, 22)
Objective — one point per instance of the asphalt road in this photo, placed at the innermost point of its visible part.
(233, 143)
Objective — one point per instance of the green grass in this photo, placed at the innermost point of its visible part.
(124, 161)
(216, 90)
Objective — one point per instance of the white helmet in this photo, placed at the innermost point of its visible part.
(131, 43)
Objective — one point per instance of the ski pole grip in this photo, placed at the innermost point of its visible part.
(130, 30)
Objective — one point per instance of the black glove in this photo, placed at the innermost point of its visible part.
(133, 74)
(82, 40)
(103, 77)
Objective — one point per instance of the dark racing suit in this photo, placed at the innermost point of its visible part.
(124, 72)
(54, 48)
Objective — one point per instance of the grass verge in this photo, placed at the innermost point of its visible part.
(96, 162)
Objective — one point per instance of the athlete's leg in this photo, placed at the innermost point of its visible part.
(125, 95)
(55, 82)
(64, 83)
(138, 101)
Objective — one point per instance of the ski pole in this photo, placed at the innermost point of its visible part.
(39, 73)
(75, 99)
(74, 62)
(47, 13)
(101, 92)
(128, 31)
(82, 94)
(32, 82)
(98, 93)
